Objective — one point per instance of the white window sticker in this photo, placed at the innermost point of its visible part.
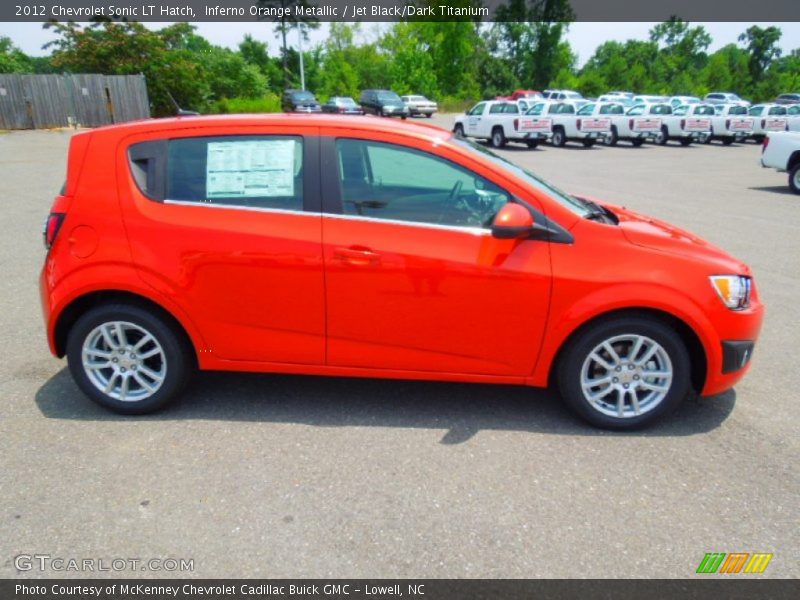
(250, 169)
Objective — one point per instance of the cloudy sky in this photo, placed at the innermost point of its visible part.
(584, 37)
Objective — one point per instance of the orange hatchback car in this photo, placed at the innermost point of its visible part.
(362, 247)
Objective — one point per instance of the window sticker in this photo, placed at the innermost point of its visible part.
(250, 169)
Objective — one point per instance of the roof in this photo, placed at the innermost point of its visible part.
(365, 123)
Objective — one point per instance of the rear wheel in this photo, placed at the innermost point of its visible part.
(625, 372)
(612, 138)
(794, 179)
(498, 138)
(559, 138)
(128, 359)
(663, 136)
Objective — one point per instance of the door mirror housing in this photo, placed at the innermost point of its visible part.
(513, 221)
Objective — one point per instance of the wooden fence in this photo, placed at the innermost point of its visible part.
(46, 101)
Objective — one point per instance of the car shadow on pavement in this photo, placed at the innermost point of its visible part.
(463, 409)
(775, 189)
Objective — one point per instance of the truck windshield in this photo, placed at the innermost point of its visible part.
(388, 97)
(575, 205)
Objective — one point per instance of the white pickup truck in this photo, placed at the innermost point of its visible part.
(768, 118)
(730, 123)
(781, 151)
(793, 117)
(687, 123)
(500, 122)
(634, 126)
(573, 121)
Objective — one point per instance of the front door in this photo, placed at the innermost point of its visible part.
(414, 279)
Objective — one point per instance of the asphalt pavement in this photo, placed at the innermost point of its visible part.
(289, 476)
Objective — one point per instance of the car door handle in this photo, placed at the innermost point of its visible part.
(357, 256)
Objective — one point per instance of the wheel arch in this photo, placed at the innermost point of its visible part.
(694, 346)
(794, 160)
(80, 305)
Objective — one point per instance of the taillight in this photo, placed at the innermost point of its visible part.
(51, 226)
(579, 124)
(765, 144)
(630, 124)
(516, 124)
(683, 123)
(763, 123)
(727, 123)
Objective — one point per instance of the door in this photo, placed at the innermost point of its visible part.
(474, 117)
(414, 279)
(230, 227)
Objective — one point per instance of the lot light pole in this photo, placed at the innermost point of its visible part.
(302, 71)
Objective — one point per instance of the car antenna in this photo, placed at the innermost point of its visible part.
(181, 112)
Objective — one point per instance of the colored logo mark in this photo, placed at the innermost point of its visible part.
(735, 562)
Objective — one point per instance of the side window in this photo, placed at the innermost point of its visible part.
(496, 108)
(536, 109)
(386, 181)
(636, 110)
(612, 109)
(793, 110)
(586, 110)
(554, 109)
(512, 109)
(523, 106)
(254, 171)
(755, 111)
(477, 109)
(567, 109)
(777, 110)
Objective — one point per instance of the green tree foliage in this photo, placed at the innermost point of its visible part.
(288, 21)
(12, 59)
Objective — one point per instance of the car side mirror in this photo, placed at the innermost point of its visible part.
(513, 221)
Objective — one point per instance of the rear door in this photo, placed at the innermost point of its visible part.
(227, 222)
(415, 281)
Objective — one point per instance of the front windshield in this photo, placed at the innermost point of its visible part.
(345, 101)
(389, 97)
(573, 204)
(303, 96)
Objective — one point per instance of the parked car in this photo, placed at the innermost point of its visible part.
(768, 118)
(781, 151)
(650, 99)
(724, 98)
(730, 123)
(384, 103)
(420, 105)
(626, 101)
(501, 122)
(301, 101)
(577, 121)
(676, 101)
(628, 95)
(787, 99)
(522, 94)
(634, 126)
(562, 95)
(686, 124)
(392, 250)
(343, 105)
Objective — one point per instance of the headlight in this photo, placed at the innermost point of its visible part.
(733, 290)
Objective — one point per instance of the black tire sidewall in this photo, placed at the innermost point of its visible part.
(792, 175)
(179, 365)
(559, 138)
(571, 362)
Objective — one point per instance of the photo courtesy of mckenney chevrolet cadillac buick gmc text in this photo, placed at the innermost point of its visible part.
(363, 247)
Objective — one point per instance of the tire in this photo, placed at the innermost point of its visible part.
(559, 139)
(404, 117)
(379, 113)
(637, 142)
(577, 368)
(758, 139)
(459, 130)
(498, 139)
(794, 179)
(663, 137)
(429, 115)
(531, 143)
(708, 139)
(588, 143)
(686, 142)
(165, 363)
(727, 141)
(612, 138)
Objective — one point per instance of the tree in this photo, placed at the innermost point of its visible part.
(411, 67)
(682, 52)
(291, 17)
(12, 59)
(762, 44)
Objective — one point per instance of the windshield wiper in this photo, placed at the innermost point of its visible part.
(596, 212)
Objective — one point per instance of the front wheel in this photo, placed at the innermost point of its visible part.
(612, 138)
(794, 179)
(588, 143)
(727, 141)
(637, 142)
(128, 359)
(624, 373)
(686, 141)
(662, 137)
(459, 130)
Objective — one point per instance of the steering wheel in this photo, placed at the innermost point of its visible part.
(456, 190)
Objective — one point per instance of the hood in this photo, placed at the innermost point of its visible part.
(655, 234)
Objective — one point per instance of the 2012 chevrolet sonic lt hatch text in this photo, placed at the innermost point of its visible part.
(363, 247)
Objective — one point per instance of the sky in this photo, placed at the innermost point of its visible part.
(584, 37)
